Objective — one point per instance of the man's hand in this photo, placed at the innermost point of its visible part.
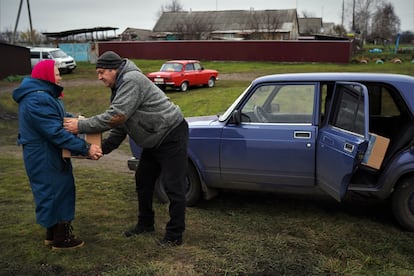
(71, 124)
(95, 152)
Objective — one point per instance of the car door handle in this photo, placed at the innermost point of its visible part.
(302, 134)
(349, 147)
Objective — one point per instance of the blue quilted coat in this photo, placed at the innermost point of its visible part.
(43, 137)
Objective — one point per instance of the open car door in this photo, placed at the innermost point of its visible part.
(343, 140)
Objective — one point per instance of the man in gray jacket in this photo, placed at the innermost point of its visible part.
(141, 110)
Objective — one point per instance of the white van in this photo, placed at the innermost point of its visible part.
(64, 62)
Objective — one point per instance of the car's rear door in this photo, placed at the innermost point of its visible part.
(342, 142)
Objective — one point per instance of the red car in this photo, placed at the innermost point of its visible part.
(181, 74)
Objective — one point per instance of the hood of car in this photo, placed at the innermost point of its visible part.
(201, 120)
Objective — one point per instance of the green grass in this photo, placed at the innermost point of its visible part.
(232, 234)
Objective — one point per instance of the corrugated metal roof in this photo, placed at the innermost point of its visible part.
(238, 20)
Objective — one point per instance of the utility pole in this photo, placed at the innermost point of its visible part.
(30, 22)
(17, 22)
(353, 16)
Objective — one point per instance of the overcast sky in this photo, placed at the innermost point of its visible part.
(62, 15)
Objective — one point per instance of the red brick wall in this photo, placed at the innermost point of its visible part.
(278, 51)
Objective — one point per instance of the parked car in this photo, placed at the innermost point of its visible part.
(65, 63)
(181, 74)
(309, 131)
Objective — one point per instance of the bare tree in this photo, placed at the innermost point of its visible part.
(363, 15)
(307, 14)
(173, 6)
(30, 37)
(194, 27)
(265, 25)
(385, 23)
(7, 36)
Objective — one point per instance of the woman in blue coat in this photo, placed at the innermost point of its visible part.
(43, 137)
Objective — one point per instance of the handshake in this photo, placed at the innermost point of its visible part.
(71, 125)
(95, 152)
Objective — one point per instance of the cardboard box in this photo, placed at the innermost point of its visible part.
(95, 138)
(376, 150)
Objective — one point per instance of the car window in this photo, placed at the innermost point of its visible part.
(349, 110)
(381, 102)
(171, 67)
(34, 54)
(288, 103)
(58, 54)
(197, 66)
(189, 67)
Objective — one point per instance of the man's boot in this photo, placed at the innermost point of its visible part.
(63, 237)
(49, 236)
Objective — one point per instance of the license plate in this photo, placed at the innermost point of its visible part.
(159, 80)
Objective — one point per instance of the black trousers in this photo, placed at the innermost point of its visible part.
(169, 160)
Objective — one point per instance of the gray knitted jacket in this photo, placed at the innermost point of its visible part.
(138, 108)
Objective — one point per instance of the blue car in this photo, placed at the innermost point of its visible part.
(335, 132)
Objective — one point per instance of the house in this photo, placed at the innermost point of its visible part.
(310, 26)
(133, 34)
(228, 25)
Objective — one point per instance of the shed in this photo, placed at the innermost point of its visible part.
(15, 60)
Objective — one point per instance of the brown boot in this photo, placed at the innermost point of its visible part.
(49, 236)
(63, 237)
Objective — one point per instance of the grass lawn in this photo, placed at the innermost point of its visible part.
(233, 234)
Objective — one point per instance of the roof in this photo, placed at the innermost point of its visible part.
(338, 76)
(228, 20)
(79, 31)
(182, 61)
(136, 34)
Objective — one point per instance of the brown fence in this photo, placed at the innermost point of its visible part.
(277, 51)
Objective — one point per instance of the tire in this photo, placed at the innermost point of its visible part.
(184, 86)
(211, 82)
(403, 203)
(162, 87)
(193, 188)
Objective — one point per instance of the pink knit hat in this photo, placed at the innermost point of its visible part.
(44, 70)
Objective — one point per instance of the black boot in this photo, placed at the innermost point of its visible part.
(49, 236)
(139, 229)
(63, 237)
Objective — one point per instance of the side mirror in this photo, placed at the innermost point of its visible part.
(236, 117)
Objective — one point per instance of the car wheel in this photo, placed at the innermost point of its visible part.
(403, 203)
(192, 188)
(162, 87)
(184, 86)
(211, 82)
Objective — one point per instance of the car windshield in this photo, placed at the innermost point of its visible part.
(171, 67)
(58, 54)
